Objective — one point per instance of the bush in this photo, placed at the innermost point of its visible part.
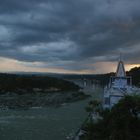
(122, 122)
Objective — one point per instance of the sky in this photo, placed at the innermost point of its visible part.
(69, 36)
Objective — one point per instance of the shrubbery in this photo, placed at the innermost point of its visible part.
(122, 122)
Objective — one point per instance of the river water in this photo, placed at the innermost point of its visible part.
(45, 123)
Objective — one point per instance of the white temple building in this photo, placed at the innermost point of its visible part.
(119, 86)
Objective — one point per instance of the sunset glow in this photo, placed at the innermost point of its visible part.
(79, 36)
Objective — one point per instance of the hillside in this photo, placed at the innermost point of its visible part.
(12, 82)
(122, 122)
(25, 91)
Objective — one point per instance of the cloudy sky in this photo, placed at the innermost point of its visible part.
(70, 36)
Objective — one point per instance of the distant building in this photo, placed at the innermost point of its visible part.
(119, 86)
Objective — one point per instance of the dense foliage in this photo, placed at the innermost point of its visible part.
(122, 122)
(135, 73)
(12, 82)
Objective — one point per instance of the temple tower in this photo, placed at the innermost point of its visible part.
(119, 86)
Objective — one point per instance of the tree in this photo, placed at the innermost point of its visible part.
(122, 122)
(94, 106)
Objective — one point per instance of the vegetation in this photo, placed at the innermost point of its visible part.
(135, 73)
(21, 83)
(25, 91)
(122, 122)
(94, 106)
(39, 99)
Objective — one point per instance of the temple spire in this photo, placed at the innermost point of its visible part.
(120, 59)
(120, 69)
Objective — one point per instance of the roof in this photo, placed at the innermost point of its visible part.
(120, 70)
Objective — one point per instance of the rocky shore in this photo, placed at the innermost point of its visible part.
(11, 100)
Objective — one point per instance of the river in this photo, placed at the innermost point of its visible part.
(45, 123)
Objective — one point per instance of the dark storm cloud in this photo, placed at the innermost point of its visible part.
(70, 33)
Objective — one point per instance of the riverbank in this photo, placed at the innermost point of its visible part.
(50, 123)
(39, 99)
(27, 91)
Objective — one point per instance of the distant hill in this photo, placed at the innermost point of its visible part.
(14, 82)
(29, 81)
(103, 79)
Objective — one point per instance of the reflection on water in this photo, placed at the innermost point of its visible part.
(44, 123)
